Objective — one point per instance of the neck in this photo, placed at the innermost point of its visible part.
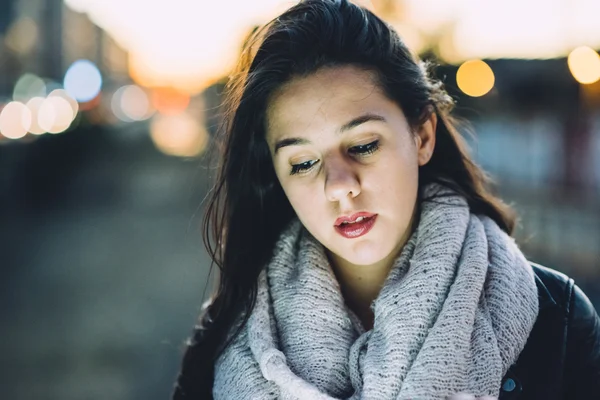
(361, 284)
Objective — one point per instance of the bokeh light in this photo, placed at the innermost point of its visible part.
(584, 64)
(475, 78)
(34, 105)
(83, 81)
(169, 101)
(131, 103)
(135, 103)
(55, 114)
(22, 36)
(15, 120)
(115, 105)
(72, 102)
(27, 87)
(178, 135)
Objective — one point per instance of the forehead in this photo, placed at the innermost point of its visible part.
(326, 99)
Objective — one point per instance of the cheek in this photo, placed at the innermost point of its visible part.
(392, 186)
(302, 197)
(395, 170)
(308, 204)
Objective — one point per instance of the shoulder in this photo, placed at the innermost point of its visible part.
(565, 341)
(555, 289)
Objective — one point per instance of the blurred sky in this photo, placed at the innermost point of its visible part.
(193, 40)
(144, 57)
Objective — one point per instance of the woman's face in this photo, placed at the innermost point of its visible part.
(340, 147)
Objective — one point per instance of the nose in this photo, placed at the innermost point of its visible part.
(341, 181)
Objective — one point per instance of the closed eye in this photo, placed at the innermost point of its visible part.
(302, 167)
(365, 149)
(362, 150)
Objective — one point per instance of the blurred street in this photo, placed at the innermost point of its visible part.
(104, 272)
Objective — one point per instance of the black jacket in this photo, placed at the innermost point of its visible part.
(561, 359)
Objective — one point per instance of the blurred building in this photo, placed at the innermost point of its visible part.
(44, 37)
(82, 38)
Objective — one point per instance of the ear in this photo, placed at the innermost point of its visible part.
(425, 139)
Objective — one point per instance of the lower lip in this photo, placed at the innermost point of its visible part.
(357, 229)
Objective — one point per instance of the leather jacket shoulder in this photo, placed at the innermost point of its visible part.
(561, 359)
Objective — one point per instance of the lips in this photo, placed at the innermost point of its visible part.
(356, 225)
(353, 217)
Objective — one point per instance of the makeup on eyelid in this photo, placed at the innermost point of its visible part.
(363, 150)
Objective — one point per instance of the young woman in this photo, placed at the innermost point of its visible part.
(361, 254)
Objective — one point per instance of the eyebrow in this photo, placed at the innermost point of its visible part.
(346, 127)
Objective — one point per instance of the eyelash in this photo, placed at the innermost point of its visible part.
(360, 150)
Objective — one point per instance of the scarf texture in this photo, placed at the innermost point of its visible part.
(453, 314)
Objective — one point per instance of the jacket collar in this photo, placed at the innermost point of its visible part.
(544, 296)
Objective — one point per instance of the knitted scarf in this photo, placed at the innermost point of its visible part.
(453, 314)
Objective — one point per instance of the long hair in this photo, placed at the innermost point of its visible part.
(248, 208)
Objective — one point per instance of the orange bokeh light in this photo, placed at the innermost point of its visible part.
(169, 101)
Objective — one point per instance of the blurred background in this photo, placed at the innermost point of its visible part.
(108, 107)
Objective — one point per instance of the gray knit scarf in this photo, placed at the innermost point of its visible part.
(453, 314)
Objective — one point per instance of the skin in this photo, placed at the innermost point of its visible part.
(342, 179)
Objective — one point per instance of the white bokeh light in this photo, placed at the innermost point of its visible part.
(63, 93)
(15, 120)
(83, 81)
(27, 87)
(55, 114)
(34, 105)
(131, 103)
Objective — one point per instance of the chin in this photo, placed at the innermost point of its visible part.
(365, 254)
